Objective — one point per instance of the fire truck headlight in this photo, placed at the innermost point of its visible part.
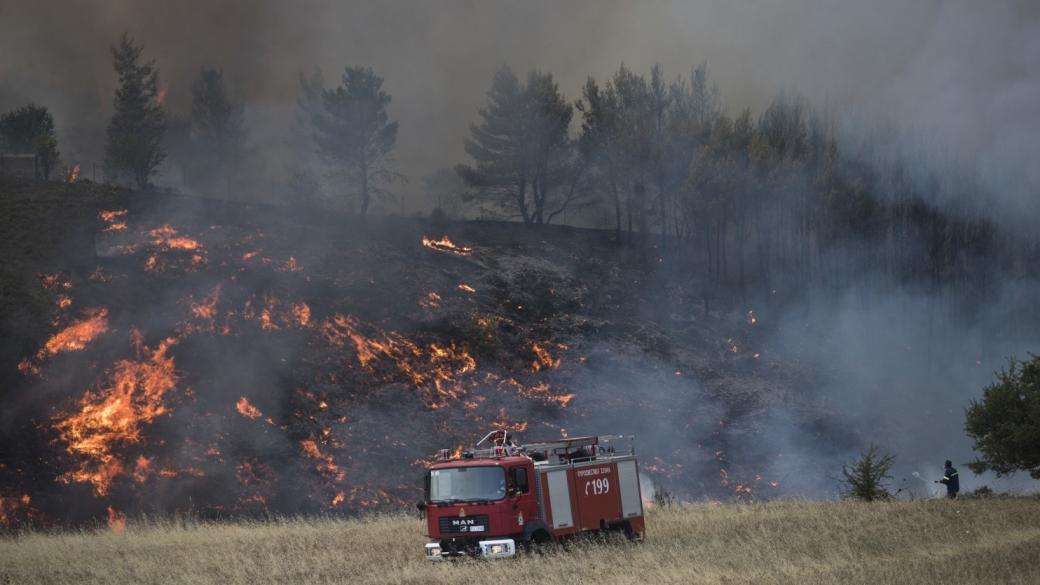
(433, 551)
(498, 548)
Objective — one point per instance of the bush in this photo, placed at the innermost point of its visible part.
(982, 492)
(481, 330)
(865, 479)
(30, 130)
(663, 498)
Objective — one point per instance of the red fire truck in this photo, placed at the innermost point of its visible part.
(487, 501)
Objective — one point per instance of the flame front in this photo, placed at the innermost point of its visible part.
(113, 415)
(73, 175)
(446, 245)
(74, 337)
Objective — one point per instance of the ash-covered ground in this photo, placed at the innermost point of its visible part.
(166, 354)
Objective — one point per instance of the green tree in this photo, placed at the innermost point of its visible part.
(217, 132)
(599, 142)
(355, 134)
(134, 146)
(524, 160)
(30, 129)
(1005, 424)
(865, 479)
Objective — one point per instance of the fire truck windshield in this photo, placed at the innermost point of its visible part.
(467, 484)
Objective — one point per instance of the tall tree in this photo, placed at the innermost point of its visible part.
(599, 142)
(499, 174)
(217, 131)
(549, 150)
(355, 134)
(618, 125)
(135, 134)
(524, 161)
(1005, 424)
(30, 129)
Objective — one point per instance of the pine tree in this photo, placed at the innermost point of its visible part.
(865, 479)
(217, 131)
(499, 174)
(524, 161)
(135, 134)
(1005, 424)
(355, 133)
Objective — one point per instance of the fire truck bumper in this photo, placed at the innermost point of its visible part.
(486, 549)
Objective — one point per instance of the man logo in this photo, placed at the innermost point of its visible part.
(464, 522)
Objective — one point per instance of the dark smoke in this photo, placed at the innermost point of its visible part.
(959, 74)
(950, 86)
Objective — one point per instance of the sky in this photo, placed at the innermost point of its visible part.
(958, 76)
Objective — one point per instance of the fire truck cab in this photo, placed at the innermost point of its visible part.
(487, 501)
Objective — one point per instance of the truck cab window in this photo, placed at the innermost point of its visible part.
(518, 480)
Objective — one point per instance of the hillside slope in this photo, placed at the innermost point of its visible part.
(921, 542)
(166, 353)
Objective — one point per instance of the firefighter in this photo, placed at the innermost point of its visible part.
(950, 480)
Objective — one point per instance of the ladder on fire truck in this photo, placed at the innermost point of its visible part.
(570, 450)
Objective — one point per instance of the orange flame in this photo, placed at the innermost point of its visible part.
(435, 369)
(205, 312)
(544, 359)
(73, 175)
(114, 414)
(326, 464)
(246, 409)
(114, 218)
(291, 265)
(142, 468)
(166, 238)
(467, 288)
(111, 215)
(302, 313)
(78, 335)
(116, 520)
(431, 301)
(446, 245)
(12, 507)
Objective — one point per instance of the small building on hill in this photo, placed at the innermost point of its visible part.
(20, 165)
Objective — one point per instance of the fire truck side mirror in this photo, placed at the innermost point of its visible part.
(421, 506)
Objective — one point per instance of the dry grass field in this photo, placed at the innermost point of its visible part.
(926, 542)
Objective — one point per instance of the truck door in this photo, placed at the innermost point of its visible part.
(522, 496)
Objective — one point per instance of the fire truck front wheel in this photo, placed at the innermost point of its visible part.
(538, 542)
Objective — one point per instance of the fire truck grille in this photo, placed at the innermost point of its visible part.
(454, 525)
